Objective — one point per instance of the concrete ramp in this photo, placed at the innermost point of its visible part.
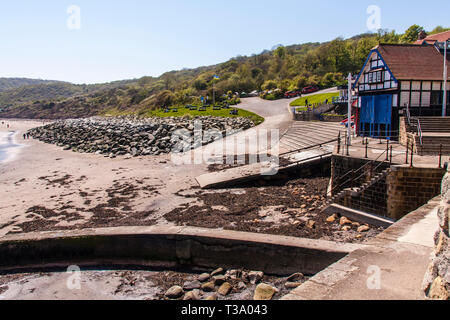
(235, 175)
(262, 170)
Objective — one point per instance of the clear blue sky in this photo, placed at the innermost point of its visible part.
(133, 38)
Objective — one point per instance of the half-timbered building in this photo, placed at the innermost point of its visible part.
(396, 78)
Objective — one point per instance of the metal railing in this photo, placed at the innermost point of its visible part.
(418, 125)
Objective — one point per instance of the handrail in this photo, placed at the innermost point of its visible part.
(310, 147)
(419, 131)
(319, 156)
(353, 172)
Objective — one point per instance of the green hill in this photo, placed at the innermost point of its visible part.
(13, 83)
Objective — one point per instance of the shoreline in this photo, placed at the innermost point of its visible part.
(9, 147)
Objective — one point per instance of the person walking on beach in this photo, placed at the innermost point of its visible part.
(24, 136)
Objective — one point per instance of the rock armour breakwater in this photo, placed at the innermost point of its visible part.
(137, 137)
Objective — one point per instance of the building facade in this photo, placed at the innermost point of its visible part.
(397, 78)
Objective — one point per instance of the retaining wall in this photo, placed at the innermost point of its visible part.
(174, 247)
(437, 279)
(402, 191)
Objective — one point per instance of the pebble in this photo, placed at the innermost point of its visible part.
(192, 295)
(175, 292)
(255, 276)
(264, 292)
(363, 229)
(296, 277)
(292, 285)
(203, 277)
(344, 221)
(225, 289)
(208, 286)
(217, 271)
(192, 285)
(218, 280)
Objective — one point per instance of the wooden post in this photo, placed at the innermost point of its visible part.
(407, 149)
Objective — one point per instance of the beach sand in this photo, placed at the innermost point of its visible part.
(47, 188)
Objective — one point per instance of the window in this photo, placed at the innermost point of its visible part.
(376, 77)
(436, 98)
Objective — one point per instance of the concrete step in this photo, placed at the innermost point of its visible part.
(359, 216)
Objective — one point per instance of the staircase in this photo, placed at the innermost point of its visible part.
(435, 131)
(358, 190)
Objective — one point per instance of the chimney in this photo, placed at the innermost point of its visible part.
(422, 35)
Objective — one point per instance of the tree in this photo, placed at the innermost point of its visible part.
(269, 85)
(164, 99)
(438, 29)
(280, 52)
(412, 34)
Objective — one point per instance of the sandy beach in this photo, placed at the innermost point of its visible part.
(44, 186)
(47, 188)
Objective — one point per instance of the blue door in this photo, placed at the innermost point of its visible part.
(376, 116)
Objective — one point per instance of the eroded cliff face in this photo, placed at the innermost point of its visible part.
(437, 279)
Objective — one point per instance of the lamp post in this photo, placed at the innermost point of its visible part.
(444, 101)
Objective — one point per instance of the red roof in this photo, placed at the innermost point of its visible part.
(413, 62)
(438, 37)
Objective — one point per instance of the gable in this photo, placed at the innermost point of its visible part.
(375, 74)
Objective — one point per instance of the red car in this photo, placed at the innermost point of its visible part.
(310, 89)
(292, 94)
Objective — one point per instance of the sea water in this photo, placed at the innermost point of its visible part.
(7, 145)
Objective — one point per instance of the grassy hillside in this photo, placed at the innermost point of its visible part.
(285, 68)
(13, 83)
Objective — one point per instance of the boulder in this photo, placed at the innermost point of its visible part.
(174, 292)
(225, 289)
(264, 292)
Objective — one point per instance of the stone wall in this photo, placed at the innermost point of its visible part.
(372, 200)
(402, 191)
(410, 188)
(437, 279)
(341, 165)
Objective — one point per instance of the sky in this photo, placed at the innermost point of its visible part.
(94, 41)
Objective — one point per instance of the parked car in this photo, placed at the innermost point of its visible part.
(310, 89)
(254, 94)
(292, 94)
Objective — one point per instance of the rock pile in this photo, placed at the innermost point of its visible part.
(138, 137)
(437, 279)
(231, 284)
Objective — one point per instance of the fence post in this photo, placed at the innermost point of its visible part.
(339, 144)
(407, 149)
(440, 156)
(367, 150)
(391, 156)
(387, 150)
(412, 155)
